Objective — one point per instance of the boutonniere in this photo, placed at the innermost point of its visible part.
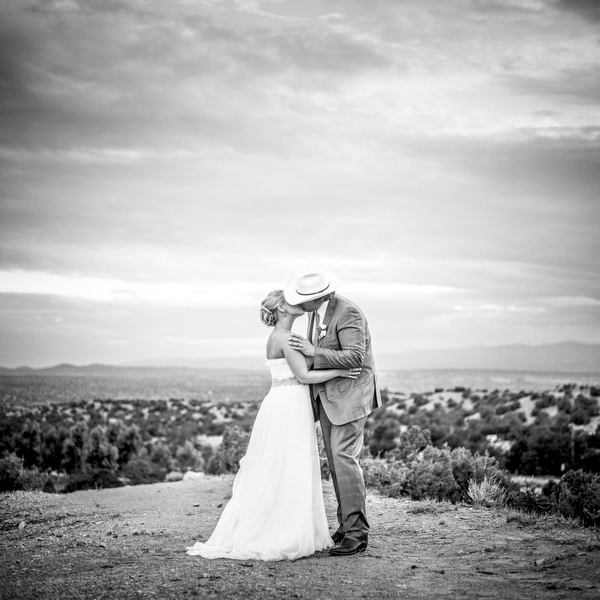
(321, 331)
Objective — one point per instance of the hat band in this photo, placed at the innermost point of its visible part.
(312, 293)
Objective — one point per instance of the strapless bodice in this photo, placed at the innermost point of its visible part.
(281, 374)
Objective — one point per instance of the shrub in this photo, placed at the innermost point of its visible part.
(419, 400)
(34, 480)
(431, 477)
(411, 442)
(161, 455)
(140, 470)
(188, 458)
(232, 449)
(578, 496)
(126, 438)
(53, 440)
(101, 454)
(384, 436)
(28, 443)
(13, 476)
(422, 471)
(75, 448)
(89, 480)
(467, 466)
(488, 492)
(10, 467)
(387, 476)
(528, 501)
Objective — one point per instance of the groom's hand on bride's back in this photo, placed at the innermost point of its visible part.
(353, 373)
(297, 342)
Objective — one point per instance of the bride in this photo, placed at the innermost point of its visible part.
(276, 511)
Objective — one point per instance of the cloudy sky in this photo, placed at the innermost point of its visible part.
(164, 165)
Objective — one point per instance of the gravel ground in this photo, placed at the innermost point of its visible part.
(130, 543)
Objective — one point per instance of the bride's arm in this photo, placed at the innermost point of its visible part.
(297, 363)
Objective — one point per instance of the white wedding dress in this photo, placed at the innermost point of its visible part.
(276, 511)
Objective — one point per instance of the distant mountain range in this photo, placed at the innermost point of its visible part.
(570, 357)
(567, 357)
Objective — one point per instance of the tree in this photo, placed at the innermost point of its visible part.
(28, 443)
(75, 448)
(126, 438)
(101, 455)
(53, 440)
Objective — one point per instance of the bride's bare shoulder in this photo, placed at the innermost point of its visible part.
(280, 335)
(278, 340)
(282, 332)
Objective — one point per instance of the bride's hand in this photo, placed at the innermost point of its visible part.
(352, 373)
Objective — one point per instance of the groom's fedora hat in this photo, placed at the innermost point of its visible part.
(308, 286)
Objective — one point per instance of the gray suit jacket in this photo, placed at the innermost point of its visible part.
(346, 344)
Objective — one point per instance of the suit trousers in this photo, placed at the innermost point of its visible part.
(343, 444)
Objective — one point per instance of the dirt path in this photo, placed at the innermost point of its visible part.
(130, 543)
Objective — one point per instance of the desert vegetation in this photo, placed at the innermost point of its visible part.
(104, 443)
(538, 452)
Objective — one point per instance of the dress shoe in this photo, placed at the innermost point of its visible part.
(337, 537)
(347, 547)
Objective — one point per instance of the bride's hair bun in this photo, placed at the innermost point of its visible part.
(268, 307)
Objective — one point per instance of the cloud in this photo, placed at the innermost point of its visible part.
(205, 294)
(588, 9)
(578, 85)
(173, 77)
(495, 310)
(173, 154)
(508, 6)
(573, 301)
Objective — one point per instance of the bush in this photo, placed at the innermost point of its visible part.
(188, 458)
(387, 476)
(161, 455)
(232, 449)
(75, 448)
(487, 493)
(410, 443)
(34, 480)
(101, 454)
(420, 470)
(419, 400)
(578, 496)
(467, 467)
(141, 469)
(53, 440)
(28, 443)
(384, 436)
(10, 467)
(430, 476)
(91, 480)
(127, 440)
(13, 476)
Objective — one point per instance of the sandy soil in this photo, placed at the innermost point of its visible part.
(130, 543)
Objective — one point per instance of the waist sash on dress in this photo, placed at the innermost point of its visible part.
(285, 381)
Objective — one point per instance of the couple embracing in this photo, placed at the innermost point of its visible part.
(276, 511)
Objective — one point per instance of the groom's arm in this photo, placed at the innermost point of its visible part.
(351, 333)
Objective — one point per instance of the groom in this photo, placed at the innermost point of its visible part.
(339, 338)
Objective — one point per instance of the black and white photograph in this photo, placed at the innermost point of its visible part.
(300, 299)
